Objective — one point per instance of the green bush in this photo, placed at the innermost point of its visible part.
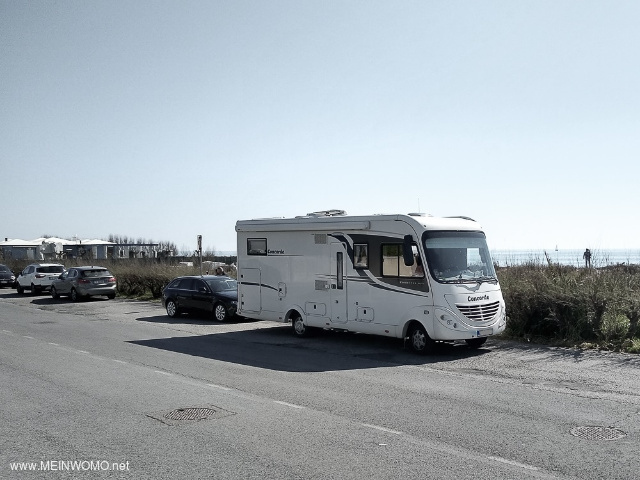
(145, 280)
(572, 306)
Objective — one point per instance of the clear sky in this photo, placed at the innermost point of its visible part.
(169, 119)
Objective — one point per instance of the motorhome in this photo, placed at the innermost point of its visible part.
(415, 277)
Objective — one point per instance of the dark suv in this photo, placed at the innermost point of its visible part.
(211, 294)
(7, 278)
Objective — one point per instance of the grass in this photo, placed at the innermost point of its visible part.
(145, 280)
(569, 306)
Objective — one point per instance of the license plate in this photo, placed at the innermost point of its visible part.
(52, 278)
(98, 282)
(484, 332)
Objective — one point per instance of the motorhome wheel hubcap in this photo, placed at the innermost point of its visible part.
(419, 340)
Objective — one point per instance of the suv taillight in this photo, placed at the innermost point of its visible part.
(111, 280)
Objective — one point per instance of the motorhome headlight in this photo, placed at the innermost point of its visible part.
(446, 318)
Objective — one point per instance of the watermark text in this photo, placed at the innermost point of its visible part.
(70, 466)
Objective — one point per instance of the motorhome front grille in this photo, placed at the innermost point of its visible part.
(480, 313)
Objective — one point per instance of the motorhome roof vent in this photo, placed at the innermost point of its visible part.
(463, 218)
(327, 213)
(418, 214)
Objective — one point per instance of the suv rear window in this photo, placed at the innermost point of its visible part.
(96, 273)
(50, 269)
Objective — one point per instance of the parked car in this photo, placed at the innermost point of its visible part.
(211, 294)
(84, 282)
(38, 277)
(7, 278)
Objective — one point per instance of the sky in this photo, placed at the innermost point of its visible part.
(165, 120)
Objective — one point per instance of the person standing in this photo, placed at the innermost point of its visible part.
(587, 258)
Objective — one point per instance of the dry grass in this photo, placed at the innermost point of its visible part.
(573, 306)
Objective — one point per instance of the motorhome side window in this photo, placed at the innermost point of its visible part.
(393, 262)
(360, 255)
(256, 246)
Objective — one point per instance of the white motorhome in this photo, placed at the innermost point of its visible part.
(413, 276)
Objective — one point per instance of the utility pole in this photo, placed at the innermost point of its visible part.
(200, 252)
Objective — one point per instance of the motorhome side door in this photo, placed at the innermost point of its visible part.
(338, 283)
(249, 290)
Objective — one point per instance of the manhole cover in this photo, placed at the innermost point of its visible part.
(190, 414)
(598, 433)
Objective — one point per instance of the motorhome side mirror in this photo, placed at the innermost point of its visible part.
(407, 251)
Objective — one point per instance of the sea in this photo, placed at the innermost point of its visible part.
(599, 257)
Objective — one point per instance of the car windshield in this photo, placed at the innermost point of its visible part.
(96, 273)
(222, 285)
(4, 268)
(458, 257)
(51, 269)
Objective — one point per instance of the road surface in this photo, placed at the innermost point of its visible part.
(116, 389)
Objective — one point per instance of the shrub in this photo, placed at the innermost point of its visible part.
(570, 305)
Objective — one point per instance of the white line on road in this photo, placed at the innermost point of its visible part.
(7, 331)
(55, 344)
(286, 404)
(27, 336)
(163, 373)
(218, 386)
(119, 361)
(515, 464)
(383, 429)
(82, 351)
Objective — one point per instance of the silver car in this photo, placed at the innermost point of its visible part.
(84, 282)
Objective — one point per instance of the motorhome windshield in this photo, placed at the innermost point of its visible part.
(458, 257)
